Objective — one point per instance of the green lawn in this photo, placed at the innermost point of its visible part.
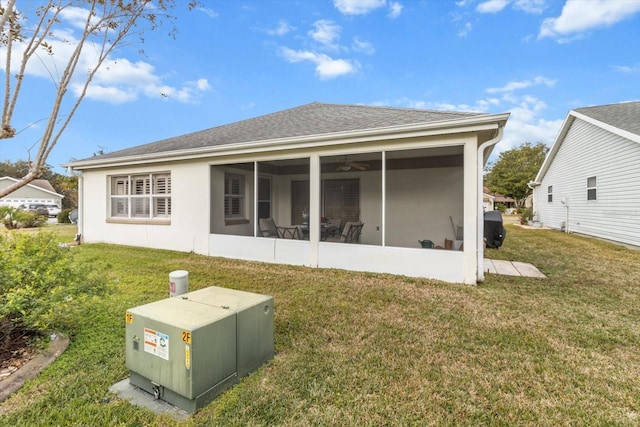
(373, 349)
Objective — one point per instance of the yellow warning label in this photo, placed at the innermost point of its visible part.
(128, 317)
(187, 356)
(186, 337)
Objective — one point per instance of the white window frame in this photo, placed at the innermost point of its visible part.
(140, 197)
(550, 194)
(592, 188)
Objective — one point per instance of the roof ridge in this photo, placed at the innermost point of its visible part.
(389, 107)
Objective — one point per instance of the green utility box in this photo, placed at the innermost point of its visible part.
(188, 349)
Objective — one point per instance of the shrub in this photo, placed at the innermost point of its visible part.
(13, 218)
(63, 216)
(41, 287)
(526, 215)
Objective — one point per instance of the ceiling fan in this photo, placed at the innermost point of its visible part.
(347, 166)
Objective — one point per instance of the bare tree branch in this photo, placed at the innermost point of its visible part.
(106, 26)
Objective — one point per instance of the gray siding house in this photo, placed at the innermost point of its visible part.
(38, 191)
(590, 181)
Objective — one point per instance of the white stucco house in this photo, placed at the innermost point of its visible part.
(589, 182)
(38, 191)
(402, 175)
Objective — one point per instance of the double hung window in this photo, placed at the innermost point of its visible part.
(140, 196)
(591, 188)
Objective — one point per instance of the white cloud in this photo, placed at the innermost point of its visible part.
(109, 94)
(282, 29)
(326, 32)
(395, 9)
(326, 67)
(495, 6)
(526, 121)
(358, 7)
(118, 80)
(531, 6)
(577, 17)
(627, 68)
(363, 46)
(525, 126)
(522, 84)
(209, 12)
(492, 6)
(465, 30)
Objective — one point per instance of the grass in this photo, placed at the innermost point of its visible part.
(373, 349)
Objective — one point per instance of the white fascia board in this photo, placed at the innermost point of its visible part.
(473, 124)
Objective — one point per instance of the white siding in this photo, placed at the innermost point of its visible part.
(588, 151)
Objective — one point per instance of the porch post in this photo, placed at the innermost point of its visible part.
(255, 199)
(314, 208)
(384, 198)
(471, 177)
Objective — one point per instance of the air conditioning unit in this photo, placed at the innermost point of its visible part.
(188, 349)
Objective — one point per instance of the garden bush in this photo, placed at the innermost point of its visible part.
(13, 218)
(63, 216)
(41, 287)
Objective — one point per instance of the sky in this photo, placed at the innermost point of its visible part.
(232, 60)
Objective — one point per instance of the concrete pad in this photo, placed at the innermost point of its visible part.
(137, 396)
(505, 268)
(528, 270)
(512, 268)
(489, 267)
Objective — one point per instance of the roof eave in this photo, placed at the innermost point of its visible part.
(470, 124)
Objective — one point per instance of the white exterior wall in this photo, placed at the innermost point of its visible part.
(194, 217)
(588, 150)
(189, 226)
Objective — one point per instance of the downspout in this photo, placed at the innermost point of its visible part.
(80, 223)
(480, 227)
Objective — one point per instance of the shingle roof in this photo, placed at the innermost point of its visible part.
(625, 116)
(44, 184)
(307, 120)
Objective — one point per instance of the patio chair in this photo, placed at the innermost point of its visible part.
(333, 226)
(268, 227)
(293, 232)
(351, 232)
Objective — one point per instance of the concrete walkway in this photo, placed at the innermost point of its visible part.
(512, 268)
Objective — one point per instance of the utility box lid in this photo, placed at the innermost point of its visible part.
(181, 312)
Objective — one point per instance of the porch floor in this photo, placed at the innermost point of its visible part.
(512, 268)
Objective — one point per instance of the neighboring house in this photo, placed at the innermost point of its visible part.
(493, 199)
(38, 191)
(590, 181)
(406, 174)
